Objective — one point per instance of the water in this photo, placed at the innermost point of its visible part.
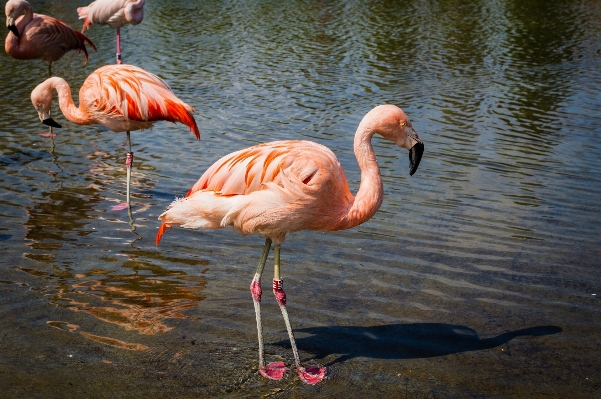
(478, 277)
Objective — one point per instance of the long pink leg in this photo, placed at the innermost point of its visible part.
(128, 162)
(119, 46)
(49, 113)
(273, 371)
(312, 374)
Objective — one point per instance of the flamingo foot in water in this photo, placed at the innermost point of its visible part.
(312, 374)
(274, 371)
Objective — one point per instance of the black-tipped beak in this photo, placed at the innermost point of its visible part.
(14, 30)
(53, 123)
(415, 156)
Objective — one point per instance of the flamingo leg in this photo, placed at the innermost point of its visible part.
(49, 113)
(128, 162)
(119, 46)
(273, 371)
(312, 374)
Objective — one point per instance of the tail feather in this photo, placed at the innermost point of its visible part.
(183, 113)
(84, 39)
(161, 232)
(83, 13)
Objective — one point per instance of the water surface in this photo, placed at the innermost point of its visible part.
(478, 277)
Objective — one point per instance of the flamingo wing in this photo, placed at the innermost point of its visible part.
(110, 12)
(54, 38)
(271, 188)
(248, 170)
(137, 95)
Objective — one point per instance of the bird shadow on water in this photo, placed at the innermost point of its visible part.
(403, 341)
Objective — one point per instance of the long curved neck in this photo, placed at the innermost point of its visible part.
(369, 197)
(65, 102)
(27, 17)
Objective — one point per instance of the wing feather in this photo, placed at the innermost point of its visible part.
(272, 188)
(250, 169)
(139, 95)
(52, 38)
(108, 12)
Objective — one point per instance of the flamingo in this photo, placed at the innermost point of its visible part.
(39, 37)
(120, 97)
(284, 186)
(115, 13)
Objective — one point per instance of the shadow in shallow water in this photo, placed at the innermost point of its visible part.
(403, 341)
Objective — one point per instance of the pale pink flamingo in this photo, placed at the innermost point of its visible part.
(114, 13)
(39, 37)
(120, 97)
(285, 186)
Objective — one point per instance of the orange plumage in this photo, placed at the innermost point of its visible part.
(119, 97)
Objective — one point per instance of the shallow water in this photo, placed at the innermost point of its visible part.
(478, 277)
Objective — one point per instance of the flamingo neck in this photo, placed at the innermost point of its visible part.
(26, 19)
(65, 102)
(370, 194)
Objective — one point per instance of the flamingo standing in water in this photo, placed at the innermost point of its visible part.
(285, 186)
(39, 37)
(115, 13)
(120, 97)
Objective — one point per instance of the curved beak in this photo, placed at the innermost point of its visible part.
(416, 151)
(415, 156)
(10, 24)
(50, 122)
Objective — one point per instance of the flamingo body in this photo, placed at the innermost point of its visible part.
(285, 186)
(270, 188)
(37, 36)
(115, 13)
(119, 97)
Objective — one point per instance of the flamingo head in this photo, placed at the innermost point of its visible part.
(134, 12)
(391, 123)
(12, 10)
(41, 98)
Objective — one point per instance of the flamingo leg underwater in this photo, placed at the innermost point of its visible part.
(49, 112)
(129, 160)
(312, 374)
(276, 370)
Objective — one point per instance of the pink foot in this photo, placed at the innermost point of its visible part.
(312, 374)
(47, 134)
(274, 371)
(119, 207)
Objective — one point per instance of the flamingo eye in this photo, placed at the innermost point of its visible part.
(402, 123)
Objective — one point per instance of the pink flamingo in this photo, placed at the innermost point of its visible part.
(285, 186)
(115, 13)
(119, 97)
(39, 37)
